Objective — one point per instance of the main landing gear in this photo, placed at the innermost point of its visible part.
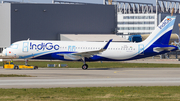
(85, 66)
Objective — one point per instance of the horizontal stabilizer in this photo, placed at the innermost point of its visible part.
(160, 49)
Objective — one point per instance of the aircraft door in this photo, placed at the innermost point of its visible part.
(71, 48)
(141, 49)
(25, 46)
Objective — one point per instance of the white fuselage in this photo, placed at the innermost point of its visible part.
(33, 48)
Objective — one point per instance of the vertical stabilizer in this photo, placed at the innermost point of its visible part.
(162, 33)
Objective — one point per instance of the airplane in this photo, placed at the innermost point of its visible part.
(156, 43)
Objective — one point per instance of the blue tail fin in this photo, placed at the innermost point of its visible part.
(162, 33)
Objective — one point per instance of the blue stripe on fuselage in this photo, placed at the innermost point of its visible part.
(147, 53)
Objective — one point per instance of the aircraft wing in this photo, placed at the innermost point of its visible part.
(90, 53)
(80, 55)
(160, 49)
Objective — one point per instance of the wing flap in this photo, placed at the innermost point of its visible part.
(71, 57)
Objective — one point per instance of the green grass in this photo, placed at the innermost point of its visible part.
(14, 75)
(93, 94)
(73, 64)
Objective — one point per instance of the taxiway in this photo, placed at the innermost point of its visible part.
(99, 77)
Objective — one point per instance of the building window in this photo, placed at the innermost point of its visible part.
(131, 17)
(145, 22)
(136, 28)
(138, 17)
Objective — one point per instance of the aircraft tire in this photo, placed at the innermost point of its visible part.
(16, 67)
(85, 66)
(35, 67)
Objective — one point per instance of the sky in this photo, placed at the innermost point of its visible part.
(86, 1)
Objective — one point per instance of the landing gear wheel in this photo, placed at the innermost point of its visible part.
(16, 67)
(35, 67)
(85, 66)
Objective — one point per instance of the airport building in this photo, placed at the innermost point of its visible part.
(22, 21)
(142, 18)
(136, 18)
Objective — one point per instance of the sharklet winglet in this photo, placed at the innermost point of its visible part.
(106, 46)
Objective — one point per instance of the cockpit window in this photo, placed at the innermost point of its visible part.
(14, 46)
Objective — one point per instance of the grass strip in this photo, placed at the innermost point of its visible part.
(74, 64)
(157, 93)
(14, 75)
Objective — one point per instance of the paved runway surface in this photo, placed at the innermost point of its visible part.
(105, 77)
